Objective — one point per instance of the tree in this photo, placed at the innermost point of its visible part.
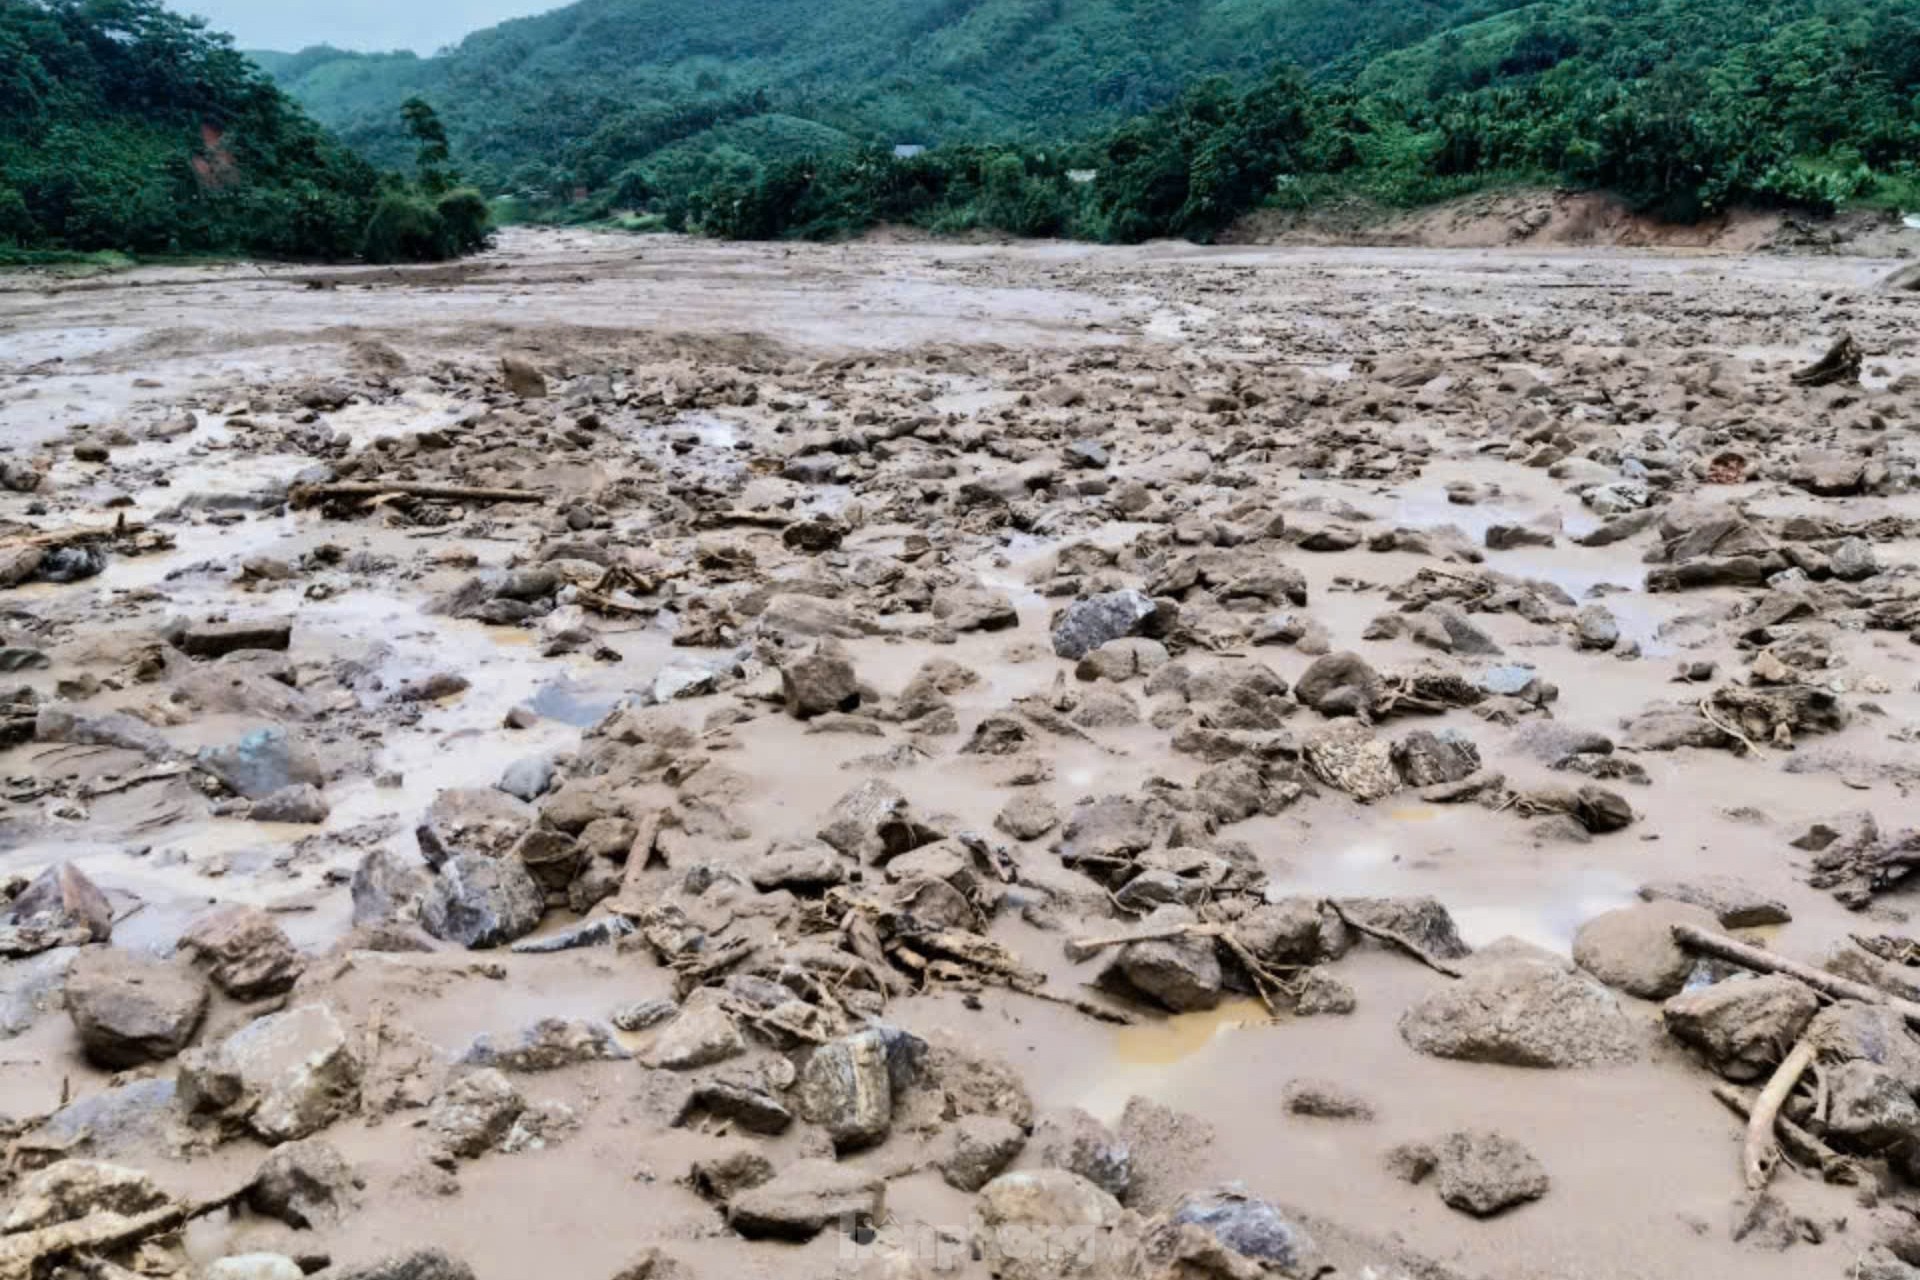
(434, 161)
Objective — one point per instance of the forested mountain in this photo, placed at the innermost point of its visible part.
(574, 96)
(124, 126)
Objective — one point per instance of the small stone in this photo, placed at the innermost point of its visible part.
(819, 681)
(1483, 1174)
(246, 952)
(473, 1114)
(846, 1087)
(1027, 816)
(700, 1035)
(805, 1198)
(1071, 1214)
(299, 803)
(1087, 624)
(1326, 1100)
(305, 1184)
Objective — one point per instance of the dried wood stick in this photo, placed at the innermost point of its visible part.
(1761, 1153)
(307, 495)
(1722, 947)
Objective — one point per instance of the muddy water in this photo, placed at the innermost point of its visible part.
(957, 332)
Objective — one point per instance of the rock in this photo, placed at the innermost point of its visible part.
(299, 803)
(1423, 921)
(1426, 759)
(479, 820)
(1320, 992)
(736, 1167)
(1075, 1141)
(974, 609)
(748, 1105)
(1742, 1027)
(1522, 1012)
(1483, 1174)
(473, 1115)
(1870, 1107)
(1854, 560)
(527, 779)
(1027, 816)
(846, 1087)
(254, 1266)
(981, 1146)
(130, 1009)
(1340, 684)
(807, 868)
(420, 1264)
(480, 902)
(873, 823)
(387, 887)
(601, 931)
(60, 907)
(1735, 904)
(1552, 741)
(1633, 950)
(137, 1115)
(1594, 627)
(548, 1045)
(217, 639)
(1180, 974)
(305, 1184)
(1464, 637)
(1087, 624)
(1829, 473)
(245, 951)
(522, 376)
(552, 858)
(1325, 1099)
(819, 681)
(1600, 810)
(1046, 1224)
(70, 1190)
(288, 1075)
(261, 763)
(806, 1197)
(701, 1034)
(1348, 757)
(1251, 1227)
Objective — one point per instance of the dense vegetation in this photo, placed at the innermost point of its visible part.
(580, 96)
(126, 127)
(758, 119)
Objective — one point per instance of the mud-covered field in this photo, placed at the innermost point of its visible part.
(641, 758)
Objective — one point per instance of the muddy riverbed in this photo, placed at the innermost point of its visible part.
(635, 757)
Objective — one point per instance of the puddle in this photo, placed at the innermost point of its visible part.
(1153, 1058)
(571, 703)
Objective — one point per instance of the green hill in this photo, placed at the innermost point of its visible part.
(573, 97)
(126, 127)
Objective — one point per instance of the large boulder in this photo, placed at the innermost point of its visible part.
(1249, 1226)
(1742, 1027)
(1340, 684)
(847, 1088)
(1180, 974)
(805, 1197)
(245, 951)
(131, 1009)
(1085, 625)
(820, 680)
(481, 902)
(286, 1075)
(61, 907)
(1522, 1011)
(1045, 1224)
(1633, 949)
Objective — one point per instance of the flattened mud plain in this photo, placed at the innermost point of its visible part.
(634, 757)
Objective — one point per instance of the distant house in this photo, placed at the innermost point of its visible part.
(907, 150)
(1082, 176)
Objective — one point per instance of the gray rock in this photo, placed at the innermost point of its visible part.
(419, 1264)
(1340, 684)
(974, 609)
(70, 1190)
(480, 902)
(1179, 974)
(1424, 921)
(980, 1148)
(387, 886)
(1483, 1174)
(1075, 1141)
(473, 1115)
(479, 820)
(261, 763)
(701, 1034)
(1522, 1012)
(1870, 1106)
(527, 778)
(1633, 949)
(253, 1266)
(60, 907)
(1251, 1227)
(548, 1045)
(1087, 624)
(287, 1075)
(847, 1088)
(1742, 1027)
(132, 1009)
(819, 681)
(1319, 992)
(57, 723)
(807, 868)
(1324, 1099)
(1595, 627)
(805, 1197)
(1348, 757)
(305, 1184)
(1552, 741)
(1734, 903)
(245, 951)
(1073, 1216)
(1426, 759)
(130, 1116)
(1027, 816)
(300, 803)
(1854, 560)
(601, 931)
(217, 639)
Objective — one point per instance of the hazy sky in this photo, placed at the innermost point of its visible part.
(422, 25)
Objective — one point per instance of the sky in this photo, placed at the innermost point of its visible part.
(420, 25)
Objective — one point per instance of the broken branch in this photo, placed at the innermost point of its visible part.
(1761, 1153)
(308, 495)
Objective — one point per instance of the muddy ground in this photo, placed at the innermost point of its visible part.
(865, 628)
